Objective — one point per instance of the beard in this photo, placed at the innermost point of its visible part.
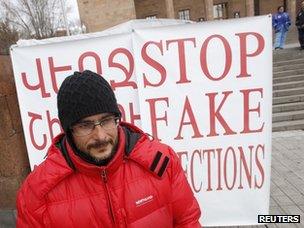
(100, 145)
(86, 156)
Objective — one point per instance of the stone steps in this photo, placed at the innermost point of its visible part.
(289, 66)
(288, 72)
(288, 90)
(293, 78)
(288, 125)
(287, 62)
(288, 85)
(287, 54)
(288, 99)
(288, 107)
(288, 116)
(292, 35)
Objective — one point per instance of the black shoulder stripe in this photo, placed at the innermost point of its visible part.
(163, 167)
(155, 161)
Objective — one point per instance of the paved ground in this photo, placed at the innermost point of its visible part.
(287, 179)
(293, 45)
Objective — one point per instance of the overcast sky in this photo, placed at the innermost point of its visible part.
(73, 14)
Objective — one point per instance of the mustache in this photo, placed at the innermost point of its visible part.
(99, 143)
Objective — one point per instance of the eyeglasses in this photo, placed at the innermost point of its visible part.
(87, 127)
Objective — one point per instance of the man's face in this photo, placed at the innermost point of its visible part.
(281, 9)
(97, 141)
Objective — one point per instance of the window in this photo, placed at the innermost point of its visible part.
(184, 14)
(151, 17)
(220, 11)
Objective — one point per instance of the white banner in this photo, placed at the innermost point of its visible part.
(205, 89)
(39, 71)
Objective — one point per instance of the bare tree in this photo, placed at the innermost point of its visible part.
(36, 19)
(8, 36)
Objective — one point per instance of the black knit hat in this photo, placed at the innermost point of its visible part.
(82, 95)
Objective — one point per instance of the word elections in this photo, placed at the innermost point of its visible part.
(50, 69)
(218, 169)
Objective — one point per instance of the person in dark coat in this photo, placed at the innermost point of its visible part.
(300, 25)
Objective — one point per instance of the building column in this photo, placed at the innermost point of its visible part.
(170, 9)
(291, 9)
(209, 10)
(249, 8)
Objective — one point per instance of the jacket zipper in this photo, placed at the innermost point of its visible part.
(105, 180)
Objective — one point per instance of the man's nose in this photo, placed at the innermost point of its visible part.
(99, 132)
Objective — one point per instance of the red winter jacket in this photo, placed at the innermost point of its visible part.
(143, 186)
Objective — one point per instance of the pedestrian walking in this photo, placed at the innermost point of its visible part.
(300, 25)
(280, 23)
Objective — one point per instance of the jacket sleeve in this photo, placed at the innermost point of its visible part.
(297, 21)
(274, 22)
(26, 218)
(186, 211)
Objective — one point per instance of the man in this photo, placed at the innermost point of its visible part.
(300, 25)
(280, 23)
(102, 172)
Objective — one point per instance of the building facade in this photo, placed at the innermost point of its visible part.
(98, 15)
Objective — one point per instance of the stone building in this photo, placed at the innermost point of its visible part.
(98, 15)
